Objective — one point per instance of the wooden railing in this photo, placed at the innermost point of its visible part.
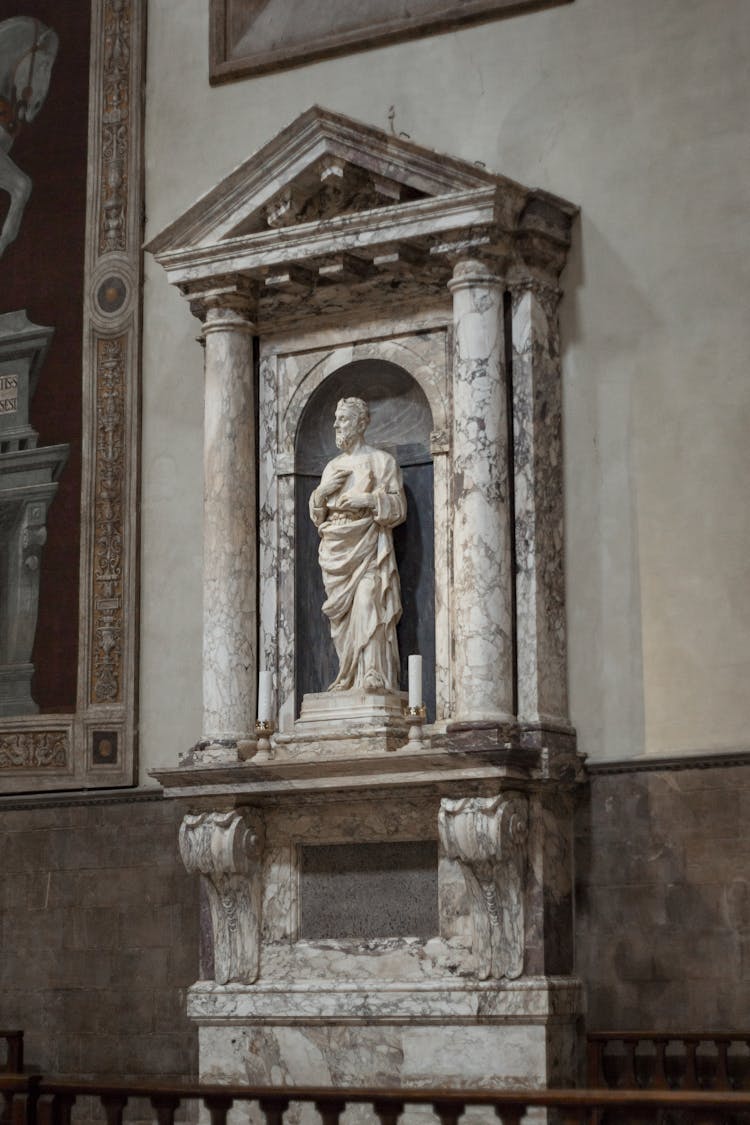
(34, 1100)
(649, 1060)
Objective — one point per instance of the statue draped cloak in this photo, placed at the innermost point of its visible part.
(357, 559)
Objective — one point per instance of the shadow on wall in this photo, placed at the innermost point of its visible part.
(663, 899)
(604, 359)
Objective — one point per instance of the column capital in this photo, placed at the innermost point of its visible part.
(544, 289)
(472, 270)
(231, 298)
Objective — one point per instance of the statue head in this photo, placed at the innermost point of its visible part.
(351, 421)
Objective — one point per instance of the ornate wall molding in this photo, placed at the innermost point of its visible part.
(226, 848)
(657, 763)
(107, 645)
(34, 750)
(109, 498)
(488, 836)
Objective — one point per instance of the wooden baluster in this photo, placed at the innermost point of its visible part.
(691, 1075)
(46, 1110)
(570, 1116)
(388, 1112)
(595, 1065)
(218, 1108)
(54, 1109)
(274, 1109)
(166, 1105)
(510, 1114)
(660, 1072)
(449, 1112)
(114, 1105)
(330, 1109)
(630, 1079)
(21, 1111)
(722, 1069)
(740, 1067)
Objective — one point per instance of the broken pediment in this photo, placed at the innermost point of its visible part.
(333, 202)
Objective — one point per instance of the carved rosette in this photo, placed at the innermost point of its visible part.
(226, 849)
(487, 836)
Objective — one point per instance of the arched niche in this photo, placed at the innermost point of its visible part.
(401, 422)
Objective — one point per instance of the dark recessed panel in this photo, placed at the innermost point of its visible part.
(368, 890)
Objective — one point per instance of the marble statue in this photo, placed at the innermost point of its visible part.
(27, 52)
(359, 500)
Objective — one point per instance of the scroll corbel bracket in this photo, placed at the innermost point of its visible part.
(488, 838)
(226, 849)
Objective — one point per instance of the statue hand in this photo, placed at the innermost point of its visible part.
(333, 484)
(349, 501)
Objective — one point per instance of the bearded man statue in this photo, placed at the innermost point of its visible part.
(359, 500)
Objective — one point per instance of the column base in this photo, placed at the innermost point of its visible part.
(15, 690)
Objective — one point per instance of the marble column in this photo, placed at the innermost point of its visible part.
(540, 574)
(229, 522)
(482, 580)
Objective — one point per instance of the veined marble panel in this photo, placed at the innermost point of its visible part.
(541, 643)
(533, 1001)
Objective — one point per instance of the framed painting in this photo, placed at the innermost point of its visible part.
(70, 304)
(256, 36)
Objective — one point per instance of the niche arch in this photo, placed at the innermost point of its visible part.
(407, 354)
(402, 423)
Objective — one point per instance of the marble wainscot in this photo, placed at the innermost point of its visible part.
(383, 909)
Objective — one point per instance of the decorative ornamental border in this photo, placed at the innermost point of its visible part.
(96, 746)
(34, 750)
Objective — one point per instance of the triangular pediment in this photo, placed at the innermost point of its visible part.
(321, 166)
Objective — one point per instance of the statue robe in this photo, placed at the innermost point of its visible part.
(363, 593)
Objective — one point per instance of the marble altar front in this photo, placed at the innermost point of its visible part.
(367, 267)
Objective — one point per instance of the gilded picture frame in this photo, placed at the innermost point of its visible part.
(250, 37)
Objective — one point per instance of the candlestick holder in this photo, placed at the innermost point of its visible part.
(416, 716)
(264, 728)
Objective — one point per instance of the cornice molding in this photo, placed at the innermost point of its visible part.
(724, 759)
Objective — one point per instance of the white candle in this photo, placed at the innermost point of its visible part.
(415, 681)
(265, 697)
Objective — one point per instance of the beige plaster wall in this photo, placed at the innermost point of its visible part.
(636, 110)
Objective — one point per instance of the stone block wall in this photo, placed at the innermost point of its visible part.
(663, 899)
(98, 936)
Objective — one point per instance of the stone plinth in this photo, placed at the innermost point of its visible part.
(449, 1034)
(489, 998)
(325, 712)
(344, 724)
